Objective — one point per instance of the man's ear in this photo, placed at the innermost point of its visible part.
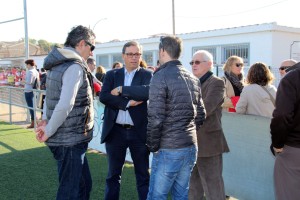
(80, 46)
(81, 43)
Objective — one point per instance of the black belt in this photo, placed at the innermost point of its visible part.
(126, 126)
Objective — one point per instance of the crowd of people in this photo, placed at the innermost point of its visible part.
(167, 110)
(14, 76)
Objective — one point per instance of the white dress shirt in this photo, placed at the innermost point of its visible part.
(124, 116)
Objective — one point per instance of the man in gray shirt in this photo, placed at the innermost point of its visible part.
(68, 117)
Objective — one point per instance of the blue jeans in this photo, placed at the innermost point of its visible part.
(171, 171)
(29, 101)
(75, 181)
(116, 145)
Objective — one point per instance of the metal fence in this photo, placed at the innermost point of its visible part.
(13, 97)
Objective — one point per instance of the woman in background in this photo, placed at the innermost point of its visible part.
(100, 73)
(234, 81)
(258, 98)
(143, 64)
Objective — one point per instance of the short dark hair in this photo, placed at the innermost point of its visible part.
(172, 45)
(90, 60)
(115, 64)
(77, 34)
(131, 43)
(260, 74)
(30, 62)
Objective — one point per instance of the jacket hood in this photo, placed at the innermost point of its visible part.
(60, 55)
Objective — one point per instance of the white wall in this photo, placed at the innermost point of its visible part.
(269, 43)
(247, 168)
(281, 46)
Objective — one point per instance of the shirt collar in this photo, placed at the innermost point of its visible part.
(129, 73)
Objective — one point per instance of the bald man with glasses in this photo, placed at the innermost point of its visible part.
(285, 65)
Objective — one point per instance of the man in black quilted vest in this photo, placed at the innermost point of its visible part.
(68, 117)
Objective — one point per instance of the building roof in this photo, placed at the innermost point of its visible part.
(273, 26)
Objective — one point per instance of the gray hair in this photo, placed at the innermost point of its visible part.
(77, 34)
(207, 56)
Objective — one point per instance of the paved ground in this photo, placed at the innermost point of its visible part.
(19, 115)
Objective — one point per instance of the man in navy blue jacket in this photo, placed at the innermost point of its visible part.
(125, 93)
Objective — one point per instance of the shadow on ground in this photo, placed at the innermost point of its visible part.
(28, 170)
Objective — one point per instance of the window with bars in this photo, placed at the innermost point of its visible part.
(241, 50)
(148, 57)
(104, 61)
(210, 49)
(117, 58)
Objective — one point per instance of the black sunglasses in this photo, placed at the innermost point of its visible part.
(197, 62)
(239, 64)
(283, 67)
(91, 45)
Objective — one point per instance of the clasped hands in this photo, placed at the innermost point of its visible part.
(40, 131)
(278, 150)
(117, 91)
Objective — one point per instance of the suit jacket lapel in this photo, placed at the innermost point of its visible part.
(137, 78)
(119, 77)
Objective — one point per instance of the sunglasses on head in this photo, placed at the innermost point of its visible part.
(196, 62)
(239, 64)
(91, 45)
(283, 67)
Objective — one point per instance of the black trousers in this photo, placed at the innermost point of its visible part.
(119, 140)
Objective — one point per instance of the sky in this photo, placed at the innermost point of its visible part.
(51, 20)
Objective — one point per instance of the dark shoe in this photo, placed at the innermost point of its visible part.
(31, 125)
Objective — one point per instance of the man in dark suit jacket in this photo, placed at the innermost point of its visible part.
(125, 93)
(207, 173)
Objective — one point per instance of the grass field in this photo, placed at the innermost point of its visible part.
(28, 170)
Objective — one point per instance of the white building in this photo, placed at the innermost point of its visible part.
(269, 43)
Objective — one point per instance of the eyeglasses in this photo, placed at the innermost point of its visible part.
(197, 62)
(283, 67)
(91, 45)
(239, 64)
(131, 55)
